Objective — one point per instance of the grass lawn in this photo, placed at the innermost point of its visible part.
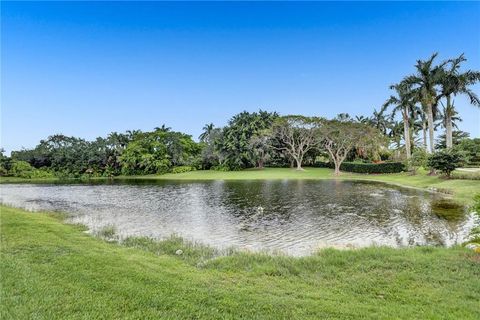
(51, 270)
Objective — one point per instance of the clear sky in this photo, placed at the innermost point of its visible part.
(86, 69)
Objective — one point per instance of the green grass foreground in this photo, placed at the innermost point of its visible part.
(52, 270)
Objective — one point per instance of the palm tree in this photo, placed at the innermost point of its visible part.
(420, 124)
(379, 121)
(403, 101)
(343, 117)
(395, 135)
(362, 119)
(163, 128)
(207, 130)
(452, 83)
(425, 83)
(449, 118)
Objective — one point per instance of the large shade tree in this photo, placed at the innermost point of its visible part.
(338, 138)
(297, 134)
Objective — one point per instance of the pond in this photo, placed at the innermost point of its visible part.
(295, 217)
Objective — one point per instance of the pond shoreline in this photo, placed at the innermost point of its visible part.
(458, 190)
(257, 215)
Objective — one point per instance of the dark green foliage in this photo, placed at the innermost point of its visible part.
(23, 169)
(210, 139)
(134, 152)
(470, 148)
(445, 161)
(386, 167)
(457, 137)
(73, 157)
(5, 163)
(235, 145)
(158, 151)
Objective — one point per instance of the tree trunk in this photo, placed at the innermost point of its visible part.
(406, 133)
(448, 125)
(424, 131)
(337, 168)
(430, 127)
(260, 163)
(299, 164)
(448, 133)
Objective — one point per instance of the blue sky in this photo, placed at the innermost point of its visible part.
(86, 69)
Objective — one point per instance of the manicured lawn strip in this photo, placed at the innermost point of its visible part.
(51, 270)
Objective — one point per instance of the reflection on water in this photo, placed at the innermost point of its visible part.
(292, 216)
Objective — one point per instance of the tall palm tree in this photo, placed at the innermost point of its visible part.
(207, 130)
(454, 82)
(403, 101)
(425, 83)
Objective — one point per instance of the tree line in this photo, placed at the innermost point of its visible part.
(257, 139)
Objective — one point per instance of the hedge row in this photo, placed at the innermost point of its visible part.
(385, 167)
(359, 167)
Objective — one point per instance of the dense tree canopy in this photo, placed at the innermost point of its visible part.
(235, 145)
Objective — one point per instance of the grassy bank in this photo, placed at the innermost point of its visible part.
(462, 190)
(50, 270)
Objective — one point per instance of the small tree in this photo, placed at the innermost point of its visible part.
(297, 135)
(445, 161)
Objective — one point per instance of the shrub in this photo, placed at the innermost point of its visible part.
(21, 169)
(419, 159)
(445, 161)
(386, 167)
(182, 169)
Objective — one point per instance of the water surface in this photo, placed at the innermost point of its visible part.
(291, 216)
